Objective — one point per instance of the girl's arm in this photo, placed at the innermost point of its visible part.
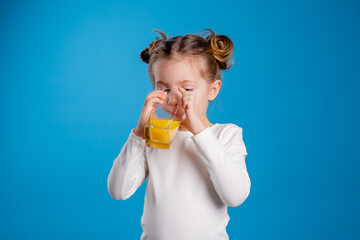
(129, 169)
(225, 161)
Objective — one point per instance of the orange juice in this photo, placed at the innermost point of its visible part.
(159, 133)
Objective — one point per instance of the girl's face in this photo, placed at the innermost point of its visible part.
(170, 74)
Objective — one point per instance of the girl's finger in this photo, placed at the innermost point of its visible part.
(182, 90)
(158, 93)
(189, 96)
(153, 101)
(186, 103)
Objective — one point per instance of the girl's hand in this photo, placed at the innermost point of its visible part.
(191, 120)
(151, 99)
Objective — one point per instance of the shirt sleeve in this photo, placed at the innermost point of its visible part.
(225, 160)
(129, 169)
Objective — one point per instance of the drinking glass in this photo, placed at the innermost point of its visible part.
(164, 121)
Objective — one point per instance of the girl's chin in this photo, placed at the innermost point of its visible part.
(180, 116)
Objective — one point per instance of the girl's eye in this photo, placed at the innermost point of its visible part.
(167, 89)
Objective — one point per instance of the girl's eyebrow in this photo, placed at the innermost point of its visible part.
(189, 81)
(183, 81)
(159, 82)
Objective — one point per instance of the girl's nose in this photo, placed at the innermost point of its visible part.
(174, 97)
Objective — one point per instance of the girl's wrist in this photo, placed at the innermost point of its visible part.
(138, 132)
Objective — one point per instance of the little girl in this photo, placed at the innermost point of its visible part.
(191, 184)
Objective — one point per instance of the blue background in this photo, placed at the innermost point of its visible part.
(72, 87)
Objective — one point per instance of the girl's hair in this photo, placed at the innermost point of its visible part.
(214, 50)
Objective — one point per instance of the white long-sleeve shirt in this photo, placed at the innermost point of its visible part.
(189, 185)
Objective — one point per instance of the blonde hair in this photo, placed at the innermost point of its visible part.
(214, 50)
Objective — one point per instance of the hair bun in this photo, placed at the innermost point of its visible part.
(222, 48)
(146, 53)
(145, 56)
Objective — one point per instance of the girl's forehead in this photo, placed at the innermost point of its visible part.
(176, 72)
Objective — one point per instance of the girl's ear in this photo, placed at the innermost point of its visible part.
(214, 89)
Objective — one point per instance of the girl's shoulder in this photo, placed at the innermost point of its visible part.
(227, 131)
(226, 127)
(230, 135)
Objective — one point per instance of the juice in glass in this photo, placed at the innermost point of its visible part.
(159, 133)
(163, 123)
